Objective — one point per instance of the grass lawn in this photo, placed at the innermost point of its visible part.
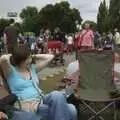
(51, 82)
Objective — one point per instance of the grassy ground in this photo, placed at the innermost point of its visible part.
(52, 82)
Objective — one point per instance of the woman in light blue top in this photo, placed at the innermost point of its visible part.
(23, 81)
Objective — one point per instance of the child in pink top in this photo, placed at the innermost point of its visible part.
(86, 38)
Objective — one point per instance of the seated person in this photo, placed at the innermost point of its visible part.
(16, 115)
(7, 110)
(23, 81)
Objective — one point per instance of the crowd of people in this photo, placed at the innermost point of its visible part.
(87, 36)
(108, 40)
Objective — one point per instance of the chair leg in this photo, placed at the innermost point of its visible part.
(97, 114)
(115, 114)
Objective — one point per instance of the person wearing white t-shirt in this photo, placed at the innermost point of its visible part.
(117, 71)
(70, 43)
(117, 38)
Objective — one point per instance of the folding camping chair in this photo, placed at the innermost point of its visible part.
(96, 84)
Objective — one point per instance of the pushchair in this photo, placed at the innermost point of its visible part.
(56, 47)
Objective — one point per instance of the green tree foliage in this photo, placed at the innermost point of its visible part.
(30, 18)
(3, 24)
(51, 16)
(114, 14)
(60, 15)
(102, 17)
(28, 12)
(108, 19)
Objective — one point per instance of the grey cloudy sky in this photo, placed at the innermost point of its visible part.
(88, 8)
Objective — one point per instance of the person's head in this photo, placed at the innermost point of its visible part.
(57, 29)
(87, 26)
(21, 55)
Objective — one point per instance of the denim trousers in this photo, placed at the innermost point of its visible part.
(23, 115)
(54, 107)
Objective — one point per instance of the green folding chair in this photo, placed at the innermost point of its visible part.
(96, 84)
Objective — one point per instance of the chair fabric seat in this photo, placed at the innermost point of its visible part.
(96, 96)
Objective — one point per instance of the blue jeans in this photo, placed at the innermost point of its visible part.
(55, 107)
(22, 115)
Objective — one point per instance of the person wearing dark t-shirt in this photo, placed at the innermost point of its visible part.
(10, 36)
(58, 35)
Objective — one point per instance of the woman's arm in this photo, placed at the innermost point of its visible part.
(42, 60)
(5, 64)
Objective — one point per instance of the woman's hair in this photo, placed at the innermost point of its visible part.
(20, 54)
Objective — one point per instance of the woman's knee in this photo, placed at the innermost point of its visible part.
(57, 95)
(54, 97)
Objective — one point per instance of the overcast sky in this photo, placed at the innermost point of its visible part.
(88, 8)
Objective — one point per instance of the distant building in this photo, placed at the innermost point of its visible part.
(9, 15)
(12, 14)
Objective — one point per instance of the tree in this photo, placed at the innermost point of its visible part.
(51, 16)
(46, 16)
(102, 17)
(3, 24)
(112, 19)
(28, 12)
(30, 18)
(114, 14)
(59, 15)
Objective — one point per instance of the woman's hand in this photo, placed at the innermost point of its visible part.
(3, 116)
(5, 64)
